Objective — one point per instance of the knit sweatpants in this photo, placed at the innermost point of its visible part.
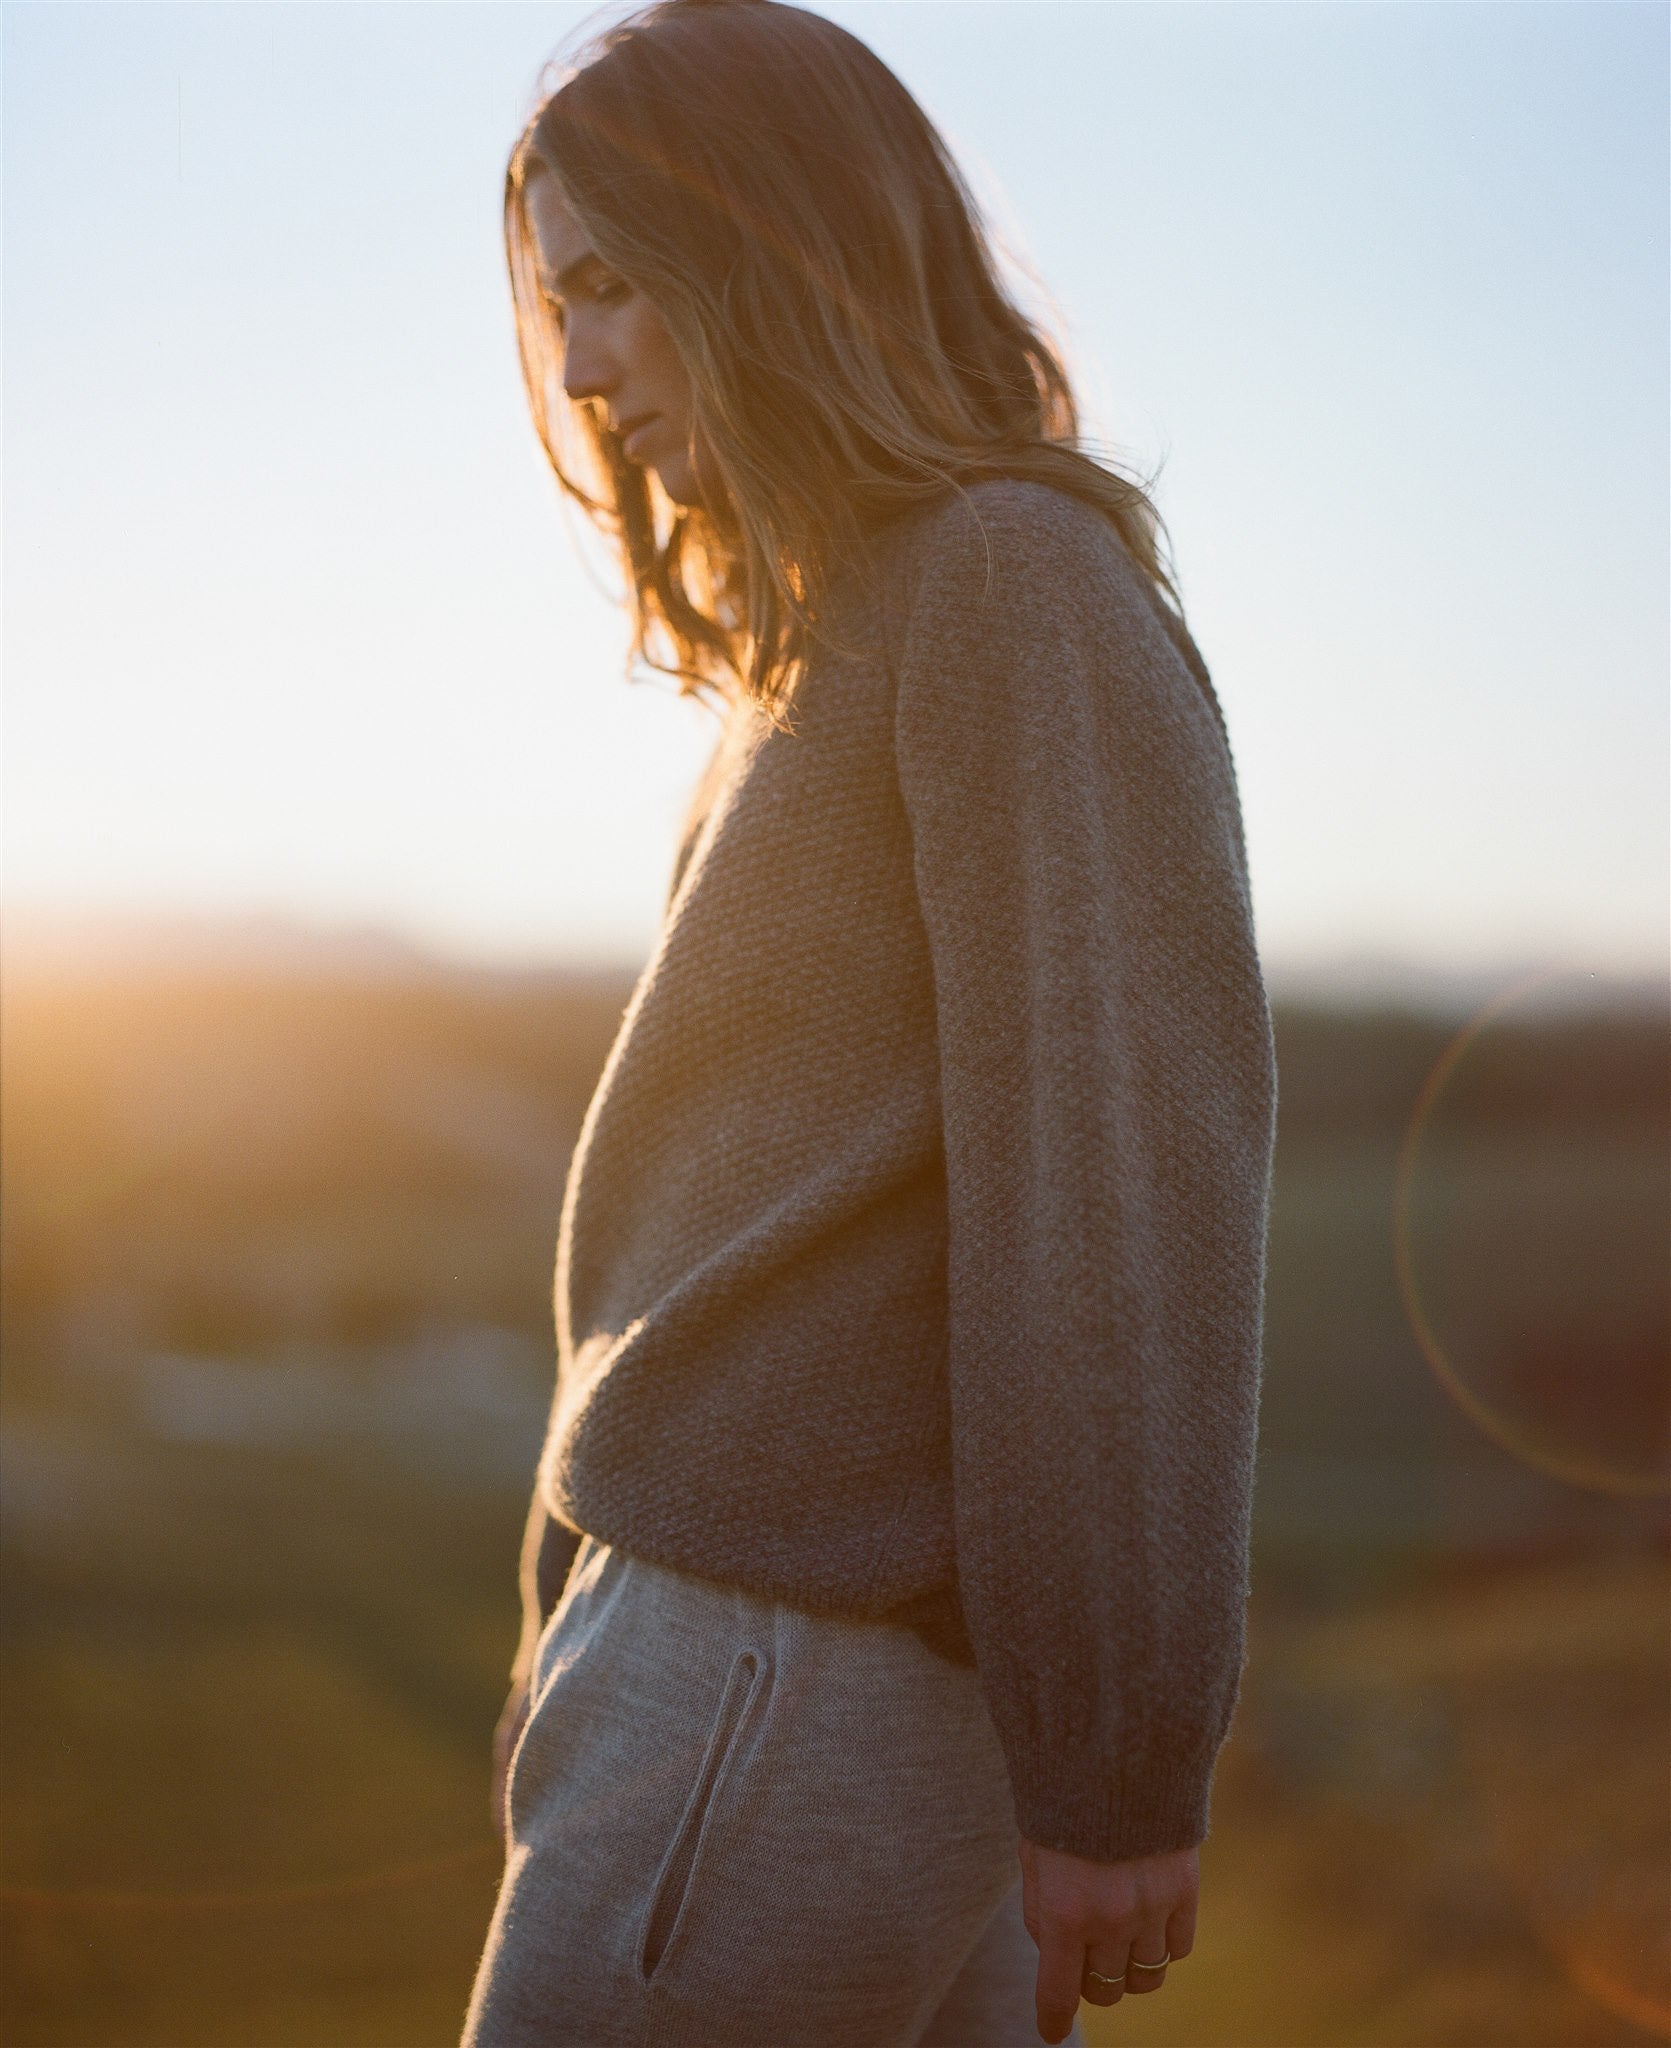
(737, 1825)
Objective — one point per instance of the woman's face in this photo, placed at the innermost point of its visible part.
(616, 348)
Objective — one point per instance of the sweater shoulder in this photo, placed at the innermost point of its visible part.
(1003, 536)
(1008, 558)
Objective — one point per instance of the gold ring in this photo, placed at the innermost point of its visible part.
(1133, 1964)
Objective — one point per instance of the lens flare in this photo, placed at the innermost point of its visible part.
(1560, 1705)
(1532, 1199)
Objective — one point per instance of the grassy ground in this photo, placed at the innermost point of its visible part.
(1442, 1820)
(277, 1263)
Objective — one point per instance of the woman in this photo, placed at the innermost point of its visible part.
(885, 1577)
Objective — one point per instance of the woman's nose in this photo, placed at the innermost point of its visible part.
(588, 370)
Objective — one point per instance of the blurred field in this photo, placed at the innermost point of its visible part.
(277, 1260)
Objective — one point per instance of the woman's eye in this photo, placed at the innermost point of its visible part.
(604, 292)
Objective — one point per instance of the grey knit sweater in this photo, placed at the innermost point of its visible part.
(911, 1263)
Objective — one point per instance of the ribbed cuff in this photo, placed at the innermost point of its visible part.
(1068, 1803)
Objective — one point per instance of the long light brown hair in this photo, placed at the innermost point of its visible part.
(831, 288)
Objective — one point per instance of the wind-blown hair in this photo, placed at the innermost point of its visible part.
(831, 289)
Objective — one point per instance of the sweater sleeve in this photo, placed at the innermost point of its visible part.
(1108, 1100)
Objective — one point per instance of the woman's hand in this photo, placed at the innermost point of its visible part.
(505, 1738)
(1101, 1916)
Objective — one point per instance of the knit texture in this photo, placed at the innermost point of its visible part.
(912, 1257)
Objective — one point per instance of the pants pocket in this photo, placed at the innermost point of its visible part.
(665, 1916)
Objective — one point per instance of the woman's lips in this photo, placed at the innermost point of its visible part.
(629, 445)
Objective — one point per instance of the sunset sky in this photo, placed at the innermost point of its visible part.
(295, 623)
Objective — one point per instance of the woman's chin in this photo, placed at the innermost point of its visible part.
(677, 481)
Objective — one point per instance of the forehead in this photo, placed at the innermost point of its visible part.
(560, 239)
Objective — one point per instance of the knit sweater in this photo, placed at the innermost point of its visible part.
(911, 1262)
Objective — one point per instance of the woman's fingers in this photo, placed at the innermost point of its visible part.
(1097, 1924)
(1105, 1975)
(1060, 1981)
(1147, 1949)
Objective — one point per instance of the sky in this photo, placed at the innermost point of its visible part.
(295, 622)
